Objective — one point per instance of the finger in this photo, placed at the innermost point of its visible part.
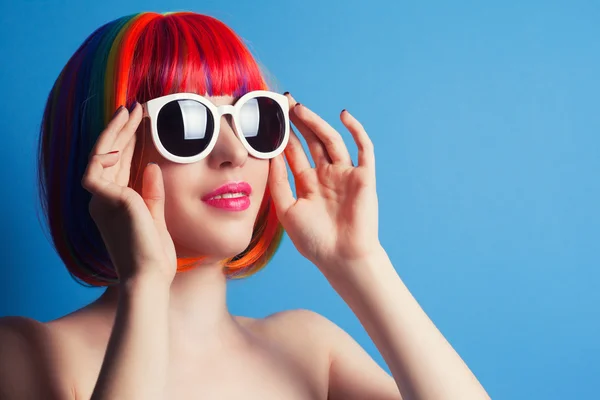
(124, 135)
(108, 136)
(125, 142)
(125, 162)
(331, 139)
(315, 146)
(94, 182)
(153, 192)
(366, 151)
(280, 188)
(295, 155)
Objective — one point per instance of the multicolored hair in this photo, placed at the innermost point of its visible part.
(136, 58)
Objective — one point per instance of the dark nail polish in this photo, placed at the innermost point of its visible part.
(118, 111)
(286, 93)
(298, 104)
(133, 106)
(343, 111)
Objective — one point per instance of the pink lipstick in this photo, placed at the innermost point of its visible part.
(234, 196)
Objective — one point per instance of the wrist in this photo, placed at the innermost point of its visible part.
(353, 269)
(148, 282)
(362, 280)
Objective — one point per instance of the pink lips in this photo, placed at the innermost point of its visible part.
(230, 203)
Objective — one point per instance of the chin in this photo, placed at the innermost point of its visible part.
(227, 250)
(215, 243)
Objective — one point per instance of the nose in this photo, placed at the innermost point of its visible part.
(229, 150)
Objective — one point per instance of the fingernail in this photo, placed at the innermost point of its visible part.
(118, 111)
(133, 106)
(151, 162)
(297, 104)
(343, 111)
(286, 93)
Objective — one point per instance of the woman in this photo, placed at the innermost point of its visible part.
(185, 187)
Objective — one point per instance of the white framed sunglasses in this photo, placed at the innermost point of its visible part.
(185, 126)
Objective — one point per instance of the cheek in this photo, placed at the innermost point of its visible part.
(258, 177)
(179, 184)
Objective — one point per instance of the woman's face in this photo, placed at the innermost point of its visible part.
(200, 224)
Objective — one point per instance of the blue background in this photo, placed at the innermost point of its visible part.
(485, 122)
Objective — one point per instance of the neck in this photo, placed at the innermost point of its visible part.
(198, 302)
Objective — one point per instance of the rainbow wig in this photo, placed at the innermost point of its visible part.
(136, 58)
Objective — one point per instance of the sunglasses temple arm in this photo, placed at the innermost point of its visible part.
(145, 111)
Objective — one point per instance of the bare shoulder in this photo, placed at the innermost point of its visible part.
(27, 361)
(298, 339)
(309, 319)
(300, 326)
(19, 326)
(306, 336)
(349, 370)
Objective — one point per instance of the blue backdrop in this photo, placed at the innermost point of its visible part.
(486, 128)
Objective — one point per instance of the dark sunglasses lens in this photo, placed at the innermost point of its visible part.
(185, 127)
(262, 124)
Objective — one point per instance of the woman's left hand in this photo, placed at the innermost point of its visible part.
(334, 219)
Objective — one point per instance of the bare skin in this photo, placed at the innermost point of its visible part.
(262, 359)
(286, 355)
(164, 335)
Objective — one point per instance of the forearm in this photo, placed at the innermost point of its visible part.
(423, 363)
(136, 359)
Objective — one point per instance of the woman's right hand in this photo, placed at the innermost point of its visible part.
(132, 226)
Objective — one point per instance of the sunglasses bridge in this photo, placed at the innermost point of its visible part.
(225, 109)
